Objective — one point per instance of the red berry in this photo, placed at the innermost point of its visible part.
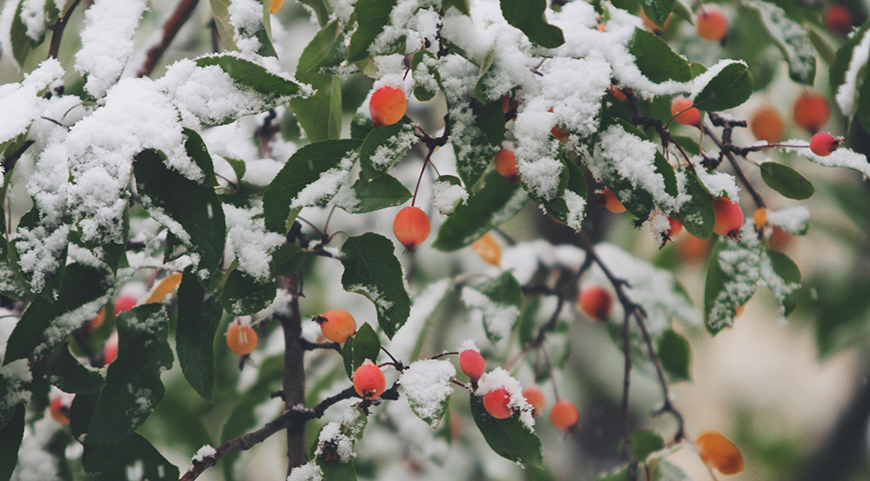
(564, 415)
(411, 227)
(692, 249)
(387, 105)
(676, 227)
(611, 203)
(767, 124)
(97, 321)
(718, 451)
(110, 349)
(336, 325)
(59, 408)
(729, 216)
(823, 144)
(369, 381)
(472, 364)
(496, 403)
(536, 398)
(506, 163)
(596, 302)
(241, 338)
(711, 24)
(124, 304)
(691, 117)
(811, 111)
(838, 18)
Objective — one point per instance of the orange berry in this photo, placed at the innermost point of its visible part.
(729, 216)
(691, 117)
(767, 124)
(508, 103)
(59, 408)
(369, 381)
(739, 311)
(241, 338)
(611, 203)
(506, 163)
(536, 398)
(560, 132)
(824, 144)
(472, 364)
(760, 218)
(411, 227)
(811, 111)
(166, 287)
(488, 249)
(719, 452)
(601, 27)
(496, 403)
(336, 325)
(779, 239)
(711, 23)
(564, 415)
(676, 227)
(596, 302)
(387, 105)
(97, 321)
(275, 5)
(838, 18)
(617, 92)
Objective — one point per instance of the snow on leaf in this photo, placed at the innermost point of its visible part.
(20, 103)
(427, 385)
(842, 157)
(790, 37)
(794, 219)
(499, 300)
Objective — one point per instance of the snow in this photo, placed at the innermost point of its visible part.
(394, 148)
(249, 240)
(427, 386)
(498, 378)
(660, 227)
(842, 157)
(576, 210)
(741, 265)
(847, 93)
(468, 345)
(794, 219)
(342, 9)
(307, 472)
(204, 452)
(246, 17)
(33, 17)
(107, 42)
(35, 463)
(446, 197)
(326, 186)
(20, 104)
(498, 318)
(422, 307)
(717, 183)
(332, 436)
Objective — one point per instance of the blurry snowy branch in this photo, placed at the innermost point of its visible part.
(178, 18)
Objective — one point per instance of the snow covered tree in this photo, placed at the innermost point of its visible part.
(196, 249)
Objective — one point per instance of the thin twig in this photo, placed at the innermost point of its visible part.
(759, 201)
(57, 30)
(178, 18)
(311, 346)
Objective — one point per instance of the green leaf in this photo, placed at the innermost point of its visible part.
(789, 37)
(199, 313)
(363, 345)
(490, 119)
(321, 8)
(324, 50)
(84, 291)
(273, 88)
(698, 215)
(424, 65)
(244, 295)
(655, 59)
(287, 259)
(732, 86)
(494, 204)
(823, 48)
(34, 224)
(320, 115)
(336, 471)
(11, 434)
(115, 461)
(196, 212)
(22, 44)
(371, 269)
(371, 195)
(658, 10)
(372, 16)
(429, 404)
(69, 375)
(863, 109)
(528, 16)
(786, 181)
(675, 355)
(197, 150)
(81, 413)
(837, 73)
(384, 146)
(509, 438)
(729, 287)
(303, 168)
(133, 385)
(221, 15)
(787, 276)
(575, 184)
(501, 304)
(461, 5)
(644, 443)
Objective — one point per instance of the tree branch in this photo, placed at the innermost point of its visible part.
(178, 18)
(57, 30)
(759, 201)
(294, 372)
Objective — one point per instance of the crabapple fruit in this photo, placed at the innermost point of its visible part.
(124, 304)
(506, 163)
(712, 24)
(411, 227)
(560, 132)
(611, 203)
(472, 364)
(97, 321)
(691, 117)
(59, 409)
(719, 452)
(488, 249)
(824, 144)
(811, 111)
(368, 380)
(336, 325)
(596, 302)
(676, 227)
(767, 124)
(536, 398)
(496, 403)
(838, 18)
(729, 216)
(110, 349)
(241, 338)
(564, 415)
(387, 105)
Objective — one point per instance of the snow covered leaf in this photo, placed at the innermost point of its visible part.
(791, 39)
(363, 345)
(786, 181)
(248, 75)
(427, 386)
(39, 252)
(371, 269)
(675, 355)
(320, 8)
(25, 35)
(42, 327)
(447, 194)
(697, 215)
(372, 16)
(655, 59)
(66, 373)
(320, 115)
(198, 152)
(509, 438)
(424, 65)
(324, 50)
(570, 207)
(499, 300)
(312, 176)
(133, 387)
(664, 470)
(370, 195)
(131, 458)
(619, 153)
(848, 76)
(384, 146)
(528, 16)
(191, 211)
(486, 209)
(783, 278)
(795, 219)
(199, 313)
(471, 144)
(732, 278)
(244, 295)
(729, 87)
(658, 11)
(11, 435)
(243, 25)
(644, 443)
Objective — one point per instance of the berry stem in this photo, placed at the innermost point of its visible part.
(451, 353)
(759, 201)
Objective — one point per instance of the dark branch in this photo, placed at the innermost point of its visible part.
(311, 346)
(179, 16)
(57, 30)
(724, 149)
